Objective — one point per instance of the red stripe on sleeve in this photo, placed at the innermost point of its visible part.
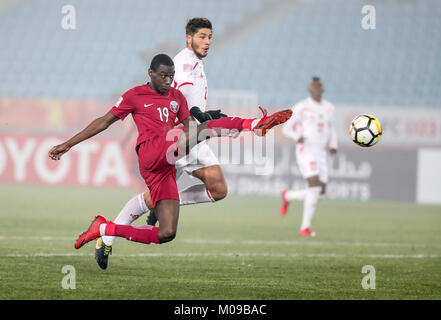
(183, 84)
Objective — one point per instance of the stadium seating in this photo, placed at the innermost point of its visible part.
(395, 64)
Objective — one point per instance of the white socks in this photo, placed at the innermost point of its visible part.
(103, 229)
(311, 198)
(195, 194)
(133, 209)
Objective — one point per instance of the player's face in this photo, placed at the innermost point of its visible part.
(162, 78)
(200, 42)
(316, 90)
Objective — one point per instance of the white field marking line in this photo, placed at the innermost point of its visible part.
(247, 242)
(233, 254)
(36, 238)
(338, 243)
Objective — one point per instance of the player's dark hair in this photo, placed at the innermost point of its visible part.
(315, 78)
(161, 59)
(194, 24)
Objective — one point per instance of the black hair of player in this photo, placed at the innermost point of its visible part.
(194, 24)
(161, 59)
(315, 78)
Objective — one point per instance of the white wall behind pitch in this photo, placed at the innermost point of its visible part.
(429, 176)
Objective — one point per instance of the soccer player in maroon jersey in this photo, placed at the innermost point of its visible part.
(154, 107)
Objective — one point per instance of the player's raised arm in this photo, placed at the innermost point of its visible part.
(95, 127)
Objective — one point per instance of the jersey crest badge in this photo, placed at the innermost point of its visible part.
(174, 106)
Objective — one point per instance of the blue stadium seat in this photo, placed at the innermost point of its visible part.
(396, 64)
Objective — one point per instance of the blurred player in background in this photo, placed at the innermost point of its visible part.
(312, 130)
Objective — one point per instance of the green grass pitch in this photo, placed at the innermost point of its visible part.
(239, 248)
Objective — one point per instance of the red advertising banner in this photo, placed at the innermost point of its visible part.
(95, 162)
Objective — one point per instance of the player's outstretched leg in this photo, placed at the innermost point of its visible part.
(91, 233)
(101, 227)
(131, 211)
(221, 127)
(269, 121)
(168, 213)
(259, 126)
(216, 128)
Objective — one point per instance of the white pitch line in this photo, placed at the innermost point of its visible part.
(339, 243)
(202, 241)
(46, 255)
(35, 238)
(233, 254)
(307, 242)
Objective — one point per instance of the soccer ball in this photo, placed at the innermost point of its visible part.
(365, 130)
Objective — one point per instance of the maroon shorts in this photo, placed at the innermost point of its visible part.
(157, 157)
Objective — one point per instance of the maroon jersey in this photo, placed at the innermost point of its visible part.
(154, 114)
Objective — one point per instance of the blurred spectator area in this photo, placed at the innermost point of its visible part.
(271, 48)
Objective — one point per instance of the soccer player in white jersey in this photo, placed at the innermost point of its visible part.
(201, 163)
(312, 130)
(190, 79)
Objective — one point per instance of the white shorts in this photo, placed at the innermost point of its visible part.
(312, 162)
(200, 156)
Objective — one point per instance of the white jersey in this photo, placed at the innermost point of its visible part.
(314, 122)
(190, 78)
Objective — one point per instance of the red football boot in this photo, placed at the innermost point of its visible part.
(91, 233)
(285, 204)
(307, 232)
(267, 122)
